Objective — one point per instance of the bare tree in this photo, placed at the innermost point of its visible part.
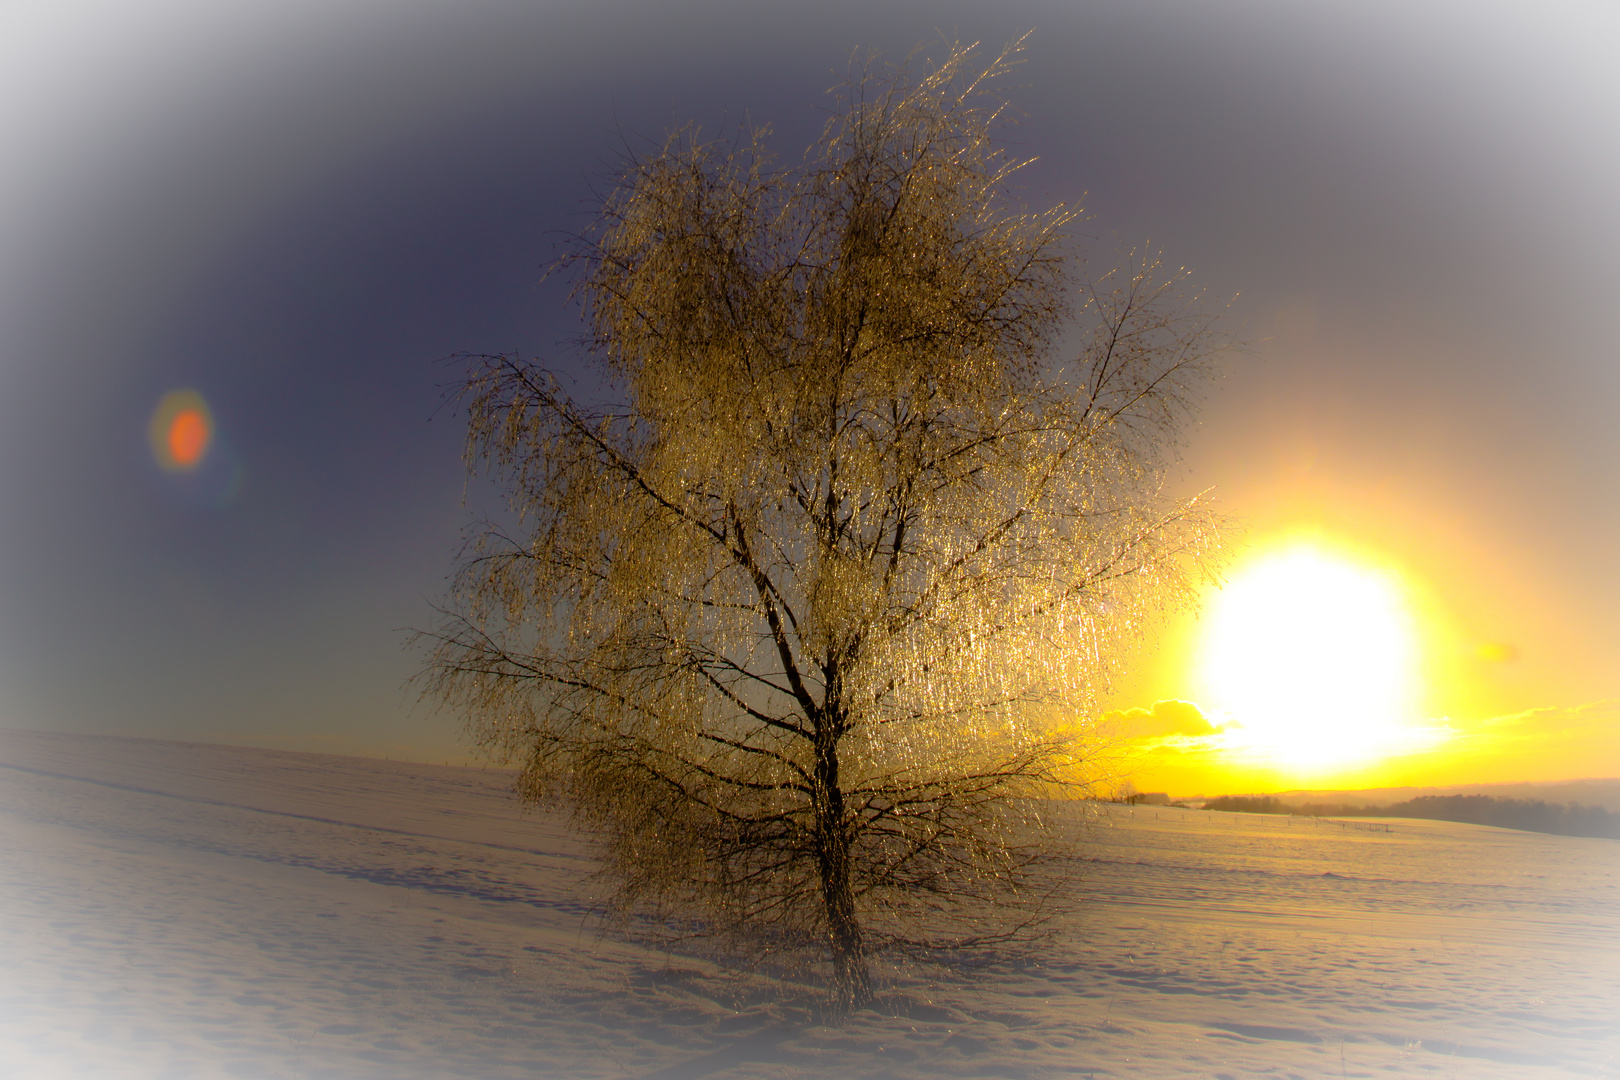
(804, 629)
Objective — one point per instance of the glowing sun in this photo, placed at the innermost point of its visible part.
(1311, 657)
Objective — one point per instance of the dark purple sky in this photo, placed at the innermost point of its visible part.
(297, 208)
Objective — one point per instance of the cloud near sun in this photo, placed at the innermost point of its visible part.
(1172, 744)
(1161, 720)
(1540, 743)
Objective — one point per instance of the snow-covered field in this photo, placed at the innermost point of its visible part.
(180, 910)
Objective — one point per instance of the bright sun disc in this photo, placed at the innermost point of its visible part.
(1312, 658)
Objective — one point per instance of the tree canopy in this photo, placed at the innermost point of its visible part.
(805, 626)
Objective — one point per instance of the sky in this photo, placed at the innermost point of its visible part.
(295, 212)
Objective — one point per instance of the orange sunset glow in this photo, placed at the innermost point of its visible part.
(1322, 662)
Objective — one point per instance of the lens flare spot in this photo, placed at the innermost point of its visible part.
(181, 431)
(188, 438)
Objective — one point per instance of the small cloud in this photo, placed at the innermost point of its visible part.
(1164, 718)
(1549, 743)
(1557, 719)
(1497, 652)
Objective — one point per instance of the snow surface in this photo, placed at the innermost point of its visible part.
(182, 910)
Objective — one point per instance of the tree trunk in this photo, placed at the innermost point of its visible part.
(851, 984)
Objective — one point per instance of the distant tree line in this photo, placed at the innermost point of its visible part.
(1254, 804)
(1530, 815)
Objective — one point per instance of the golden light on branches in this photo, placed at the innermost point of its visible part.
(801, 627)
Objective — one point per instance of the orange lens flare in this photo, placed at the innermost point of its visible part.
(188, 438)
(181, 430)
